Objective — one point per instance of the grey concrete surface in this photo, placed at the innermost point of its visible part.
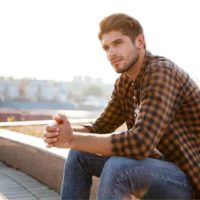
(16, 185)
(29, 157)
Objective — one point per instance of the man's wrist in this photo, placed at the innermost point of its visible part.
(82, 129)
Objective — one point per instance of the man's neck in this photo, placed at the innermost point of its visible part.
(135, 70)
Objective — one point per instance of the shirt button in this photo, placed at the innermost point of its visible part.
(134, 98)
(135, 115)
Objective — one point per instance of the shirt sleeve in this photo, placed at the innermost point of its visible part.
(158, 100)
(111, 117)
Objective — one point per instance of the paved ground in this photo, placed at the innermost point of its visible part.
(15, 185)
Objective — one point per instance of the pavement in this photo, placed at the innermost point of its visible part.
(16, 185)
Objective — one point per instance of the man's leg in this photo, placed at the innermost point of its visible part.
(124, 178)
(78, 172)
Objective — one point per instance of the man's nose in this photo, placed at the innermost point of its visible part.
(112, 52)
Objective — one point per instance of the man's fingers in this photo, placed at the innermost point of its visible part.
(52, 128)
(60, 119)
(50, 141)
(51, 134)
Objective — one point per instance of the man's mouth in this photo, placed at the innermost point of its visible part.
(115, 61)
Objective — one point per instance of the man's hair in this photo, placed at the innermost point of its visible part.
(126, 24)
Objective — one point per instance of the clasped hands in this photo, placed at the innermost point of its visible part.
(60, 133)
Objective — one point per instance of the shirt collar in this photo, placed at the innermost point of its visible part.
(147, 59)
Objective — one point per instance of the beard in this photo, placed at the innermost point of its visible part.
(128, 65)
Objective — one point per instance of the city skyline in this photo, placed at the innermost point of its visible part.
(57, 40)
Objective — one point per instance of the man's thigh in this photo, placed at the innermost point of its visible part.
(149, 177)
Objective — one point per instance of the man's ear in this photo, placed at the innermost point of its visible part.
(140, 41)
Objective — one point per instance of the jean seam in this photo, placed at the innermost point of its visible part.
(188, 187)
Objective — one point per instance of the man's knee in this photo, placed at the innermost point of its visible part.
(112, 165)
(113, 168)
(116, 165)
(75, 155)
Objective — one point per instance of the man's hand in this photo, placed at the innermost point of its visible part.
(59, 134)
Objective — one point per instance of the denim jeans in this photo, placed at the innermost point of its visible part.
(123, 178)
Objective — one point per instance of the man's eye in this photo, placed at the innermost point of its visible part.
(118, 43)
(105, 48)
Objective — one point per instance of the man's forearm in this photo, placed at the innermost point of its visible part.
(92, 143)
(62, 135)
(81, 129)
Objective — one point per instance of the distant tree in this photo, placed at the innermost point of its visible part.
(22, 89)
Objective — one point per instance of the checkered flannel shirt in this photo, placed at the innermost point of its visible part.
(161, 109)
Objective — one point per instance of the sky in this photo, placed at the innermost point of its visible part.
(57, 39)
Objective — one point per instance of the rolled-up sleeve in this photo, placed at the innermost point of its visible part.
(111, 117)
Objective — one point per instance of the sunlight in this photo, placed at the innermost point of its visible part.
(58, 40)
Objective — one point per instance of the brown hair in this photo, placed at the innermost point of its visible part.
(120, 22)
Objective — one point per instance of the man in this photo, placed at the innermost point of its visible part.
(158, 156)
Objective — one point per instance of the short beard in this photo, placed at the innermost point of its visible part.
(125, 68)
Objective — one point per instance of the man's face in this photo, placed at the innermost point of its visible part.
(120, 50)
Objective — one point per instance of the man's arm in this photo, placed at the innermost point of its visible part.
(92, 143)
(82, 140)
(160, 95)
(81, 129)
(62, 135)
(112, 115)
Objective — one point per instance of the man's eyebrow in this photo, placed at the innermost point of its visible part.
(113, 42)
(117, 40)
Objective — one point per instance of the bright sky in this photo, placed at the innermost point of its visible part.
(57, 39)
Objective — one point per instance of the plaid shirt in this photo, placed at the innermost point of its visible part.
(161, 109)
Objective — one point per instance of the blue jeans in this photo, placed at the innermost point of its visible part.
(123, 178)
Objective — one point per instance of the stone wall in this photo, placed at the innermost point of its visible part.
(30, 155)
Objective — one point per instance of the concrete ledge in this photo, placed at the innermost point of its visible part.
(44, 122)
(30, 155)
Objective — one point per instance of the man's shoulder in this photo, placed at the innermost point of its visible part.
(161, 62)
(162, 68)
(162, 65)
